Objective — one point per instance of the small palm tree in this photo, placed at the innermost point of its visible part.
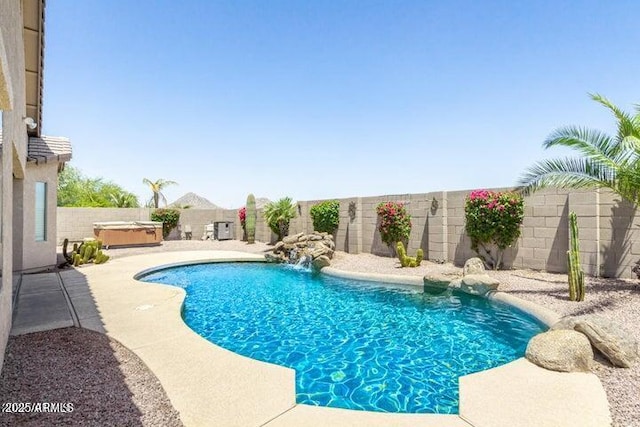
(157, 187)
(606, 161)
(124, 200)
(278, 215)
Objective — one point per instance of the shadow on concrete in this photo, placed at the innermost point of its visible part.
(83, 304)
(92, 379)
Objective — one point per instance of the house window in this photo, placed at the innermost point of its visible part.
(41, 211)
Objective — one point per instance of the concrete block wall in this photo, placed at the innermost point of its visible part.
(618, 247)
(76, 224)
(608, 228)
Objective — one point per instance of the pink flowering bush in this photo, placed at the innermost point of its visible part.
(395, 223)
(493, 221)
(242, 215)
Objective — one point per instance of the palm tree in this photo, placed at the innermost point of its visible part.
(606, 161)
(157, 187)
(124, 200)
(278, 215)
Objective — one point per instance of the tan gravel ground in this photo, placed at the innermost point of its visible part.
(617, 300)
(106, 383)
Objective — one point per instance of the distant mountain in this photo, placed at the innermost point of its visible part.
(261, 201)
(194, 202)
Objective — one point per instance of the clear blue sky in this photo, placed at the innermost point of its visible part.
(322, 99)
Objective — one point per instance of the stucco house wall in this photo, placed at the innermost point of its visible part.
(14, 150)
(27, 157)
(36, 254)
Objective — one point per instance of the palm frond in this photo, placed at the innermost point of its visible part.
(627, 125)
(591, 143)
(611, 162)
(566, 173)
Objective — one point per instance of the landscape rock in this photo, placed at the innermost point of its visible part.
(560, 350)
(273, 258)
(321, 261)
(478, 284)
(456, 284)
(610, 338)
(434, 280)
(473, 266)
(293, 248)
(292, 239)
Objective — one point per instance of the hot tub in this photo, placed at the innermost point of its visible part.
(128, 233)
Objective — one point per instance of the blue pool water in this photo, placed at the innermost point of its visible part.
(353, 344)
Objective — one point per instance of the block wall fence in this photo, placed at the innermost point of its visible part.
(608, 228)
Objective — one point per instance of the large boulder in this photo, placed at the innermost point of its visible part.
(478, 284)
(315, 245)
(435, 280)
(610, 338)
(560, 350)
(274, 258)
(473, 266)
(321, 261)
(292, 239)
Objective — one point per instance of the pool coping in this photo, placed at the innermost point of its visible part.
(230, 389)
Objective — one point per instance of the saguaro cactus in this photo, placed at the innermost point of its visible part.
(576, 275)
(250, 221)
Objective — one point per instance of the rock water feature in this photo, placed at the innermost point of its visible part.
(306, 251)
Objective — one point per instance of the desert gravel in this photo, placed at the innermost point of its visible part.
(108, 382)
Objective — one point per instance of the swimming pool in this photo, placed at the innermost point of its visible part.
(353, 344)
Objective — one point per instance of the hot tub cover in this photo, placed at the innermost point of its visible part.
(115, 225)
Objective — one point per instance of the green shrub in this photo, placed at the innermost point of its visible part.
(493, 221)
(395, 223)
(326, 216)
(168, 217)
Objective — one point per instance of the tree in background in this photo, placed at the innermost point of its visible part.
(156, 187)
(77, 190)
(124, 200)
(605, 161)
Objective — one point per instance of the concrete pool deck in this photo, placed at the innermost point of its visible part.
(212, 386)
